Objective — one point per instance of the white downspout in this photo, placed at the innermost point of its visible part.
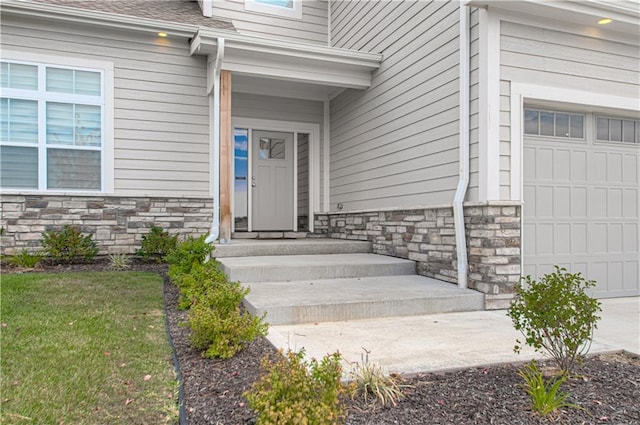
(214, 84)
(463, 182)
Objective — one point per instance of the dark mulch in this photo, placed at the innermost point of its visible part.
(607, 387)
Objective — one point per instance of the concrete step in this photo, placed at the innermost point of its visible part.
(330, 300)
(276, 268)
(258, 247)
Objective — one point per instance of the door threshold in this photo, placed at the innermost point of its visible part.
(269, 235)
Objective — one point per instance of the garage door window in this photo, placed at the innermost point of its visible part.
(617, 130)
(553, 124)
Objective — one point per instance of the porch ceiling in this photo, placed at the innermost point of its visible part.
(293, 69)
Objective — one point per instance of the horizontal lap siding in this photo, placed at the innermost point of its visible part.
(396, 143)
(312, 28)
(161, 145)
(568, 60)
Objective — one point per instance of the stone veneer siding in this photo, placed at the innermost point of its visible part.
(116, 223)
(427, 236)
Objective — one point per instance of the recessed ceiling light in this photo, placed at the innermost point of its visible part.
(605, 21)
(162, 34)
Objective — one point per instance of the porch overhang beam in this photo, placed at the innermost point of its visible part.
(284, 60)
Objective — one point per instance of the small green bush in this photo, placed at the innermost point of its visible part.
(26, 259)
(556, 316)
(293, 391)
(188, 253)
(545, 397)
(69, 245)
(195, 284)
(222, 334)
(157, 244)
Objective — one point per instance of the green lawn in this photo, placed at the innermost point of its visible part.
(85, 348)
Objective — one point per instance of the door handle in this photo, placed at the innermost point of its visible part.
(253, 185)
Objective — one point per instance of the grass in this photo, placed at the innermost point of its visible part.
(85, 348)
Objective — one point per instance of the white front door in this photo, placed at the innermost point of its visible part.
(272, 180)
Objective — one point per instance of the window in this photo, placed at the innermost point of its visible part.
(51, 127)
(288, 8)
(617, 130)
(553, 124)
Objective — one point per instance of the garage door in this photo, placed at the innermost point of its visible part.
(581, 198)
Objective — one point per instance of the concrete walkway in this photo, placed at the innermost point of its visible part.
(438, 342)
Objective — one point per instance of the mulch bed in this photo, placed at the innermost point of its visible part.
(607, 387)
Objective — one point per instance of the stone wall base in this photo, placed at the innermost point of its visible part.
(427, 236)
(116, 223)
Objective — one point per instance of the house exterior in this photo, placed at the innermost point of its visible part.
(481, 139)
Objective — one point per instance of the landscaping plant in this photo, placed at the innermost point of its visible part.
(369, 380)
(192, 251)
(69, 245)
(556, 316)
(157, 244)
(294, 391)
(119, 261)
(26, 259)
(545, 397)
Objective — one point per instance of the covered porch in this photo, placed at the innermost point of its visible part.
(270, 116)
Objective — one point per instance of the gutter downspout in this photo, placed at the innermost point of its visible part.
(463, 182)
(214, 84)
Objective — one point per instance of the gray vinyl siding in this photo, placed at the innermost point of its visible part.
(396, 143)
(474, 111)
(161, 142)
(573, 61)
(312, 28)
(280, 109)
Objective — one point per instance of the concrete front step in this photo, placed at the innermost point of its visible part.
(276, 268)
(257, 247)
(330, 300)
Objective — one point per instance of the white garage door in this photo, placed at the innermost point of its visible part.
(581, 198)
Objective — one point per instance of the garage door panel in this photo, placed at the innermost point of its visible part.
(597, 202)
(578, 201)
(544, 162)
(614, 167)
(581, 210)
(630, 238)
(578, 166)
(579, 238)
(630, 169)
(630, 203)
(598, 167)
(562, 239)
(562, 165)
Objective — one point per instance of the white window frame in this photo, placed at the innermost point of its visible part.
(271, 9)
(106, 102)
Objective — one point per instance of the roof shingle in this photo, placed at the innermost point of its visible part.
(176, 11)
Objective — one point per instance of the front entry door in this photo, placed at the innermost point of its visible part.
(271, 180)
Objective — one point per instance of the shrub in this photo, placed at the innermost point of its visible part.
(187, 253)
(222, 334)
(556, 316)
(69, 245)
(219, 325)
(293, 391)
(26, 259)
(118, 261)
(195, 284)
(369, 380)
(545, 396)
(157, 244)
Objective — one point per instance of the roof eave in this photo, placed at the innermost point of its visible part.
(309, 63)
